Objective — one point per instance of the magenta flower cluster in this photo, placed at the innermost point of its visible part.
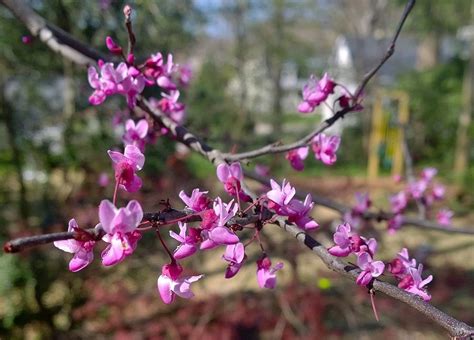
(423, 191)
(324, 148)
(347, 242)
(281, 199)
(402, 268)
(130, 79)
(316, 92)
(120, 228)
(409, 275)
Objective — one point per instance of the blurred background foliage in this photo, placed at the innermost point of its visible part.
(250, 60)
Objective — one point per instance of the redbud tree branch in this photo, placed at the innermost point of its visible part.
(455, 327)
(277, 148)
(376, 216)
(158, 219)
(82, 55)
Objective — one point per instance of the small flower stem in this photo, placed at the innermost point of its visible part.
(372, 301)
(257, 235)
(257, 201)
(237, 194)
(329, 107)
(144, 228)
(114, 199)
(251, 240)
(165, 246)
(179, 219)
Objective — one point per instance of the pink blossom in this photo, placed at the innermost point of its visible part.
(413, 283)
(198, 200)
(82, 250)
(438, 191)
(189, 238)
(399, 266)
(315, 92)
(352, 218)
(171, 107)
(235, 255)
(135, 134)
(220, 234)
(296, 157)
(112, 46)
(325, 147)
(417, 188)
(266, 276)
(164, 80)
(298, 211)
(103, 180)
(398, 202)
(185, 75)
(363, 203)
(214, 227)
(156, 71)
(26, 39)
(120, 226)
(347, 242)
(397, 178)
(232, 176)
(395, 223)
(280, 196)
(428, 173)
(171, 284)
(444, 216)
(370, 269)
(126, 165)
(262, 170)
(342, 239)
(121, 80)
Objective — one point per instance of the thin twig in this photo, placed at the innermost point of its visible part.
(127, 11)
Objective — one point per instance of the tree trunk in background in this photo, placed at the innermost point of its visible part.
(461, 156)
(239, 11)
(17, 155)
(276, 65)
(428, 51)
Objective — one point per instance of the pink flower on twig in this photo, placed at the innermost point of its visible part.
(126, 165)
(171, 284)
(82, 250)
(120, 226)
(325, 147)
